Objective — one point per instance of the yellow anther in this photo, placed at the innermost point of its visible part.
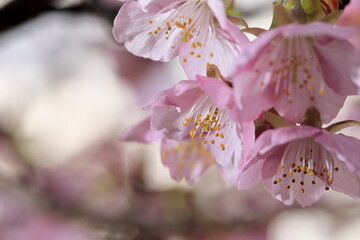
(198, 56)
(211, 55)
(222, 147)
(321, 91)
(179, 25)
(180, 165)
(150, 22)
(310, 87)
(212, 141)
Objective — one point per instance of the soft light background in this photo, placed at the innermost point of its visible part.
(67, 91)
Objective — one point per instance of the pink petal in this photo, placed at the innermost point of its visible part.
(250, 177)
(221, 94)
(335, 67)
(247, 94)
(214, 47)
(347, 149)
(154, 6)
(345, 181)
(141, 132)
(312, 193)
(132, 26)
(186, 160)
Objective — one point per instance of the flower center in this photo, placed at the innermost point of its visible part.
(294, 69)
(307, 161)
(187, 18)
(207, 122)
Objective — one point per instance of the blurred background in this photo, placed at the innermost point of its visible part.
(67, 91)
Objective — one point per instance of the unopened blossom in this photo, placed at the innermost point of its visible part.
(300, 163)
(195, 30)
(293, 67)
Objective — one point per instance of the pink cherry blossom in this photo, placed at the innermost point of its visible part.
(196, 31)
(186, 116)
(293, 67)
(300, 163)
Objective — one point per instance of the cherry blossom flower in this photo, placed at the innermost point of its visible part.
(302, 162)
(185, 117)
(295, 66)
(196, 31)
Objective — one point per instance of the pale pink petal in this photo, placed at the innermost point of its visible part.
(227, 150)
(338, 72)
(170, 108)
(347, 149)
(141, 132)
(345, 181)
(246, 94)
(280, 191)
(208, 47)
(144, 33)
(186, 160)
(182, 94)
(221, 95)
(248, 178)
(246, 131)
(154, 6)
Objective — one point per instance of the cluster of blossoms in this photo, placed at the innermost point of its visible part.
(254, 109)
